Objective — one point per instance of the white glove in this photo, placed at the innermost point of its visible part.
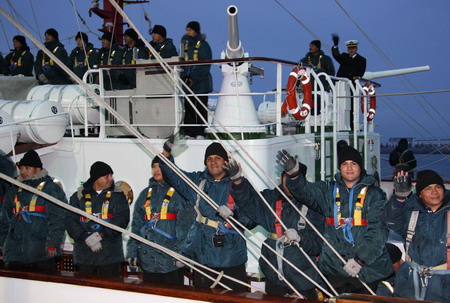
(292, 235)
(352, 268)
(224, 212)
(94, 242)
(43, 78)
(132, 262)
(97, 247)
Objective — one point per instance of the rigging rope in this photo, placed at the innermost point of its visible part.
(241, 148)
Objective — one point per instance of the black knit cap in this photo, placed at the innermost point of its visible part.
(349, 153)
(216, 149)
(159, 29)
(132, 34)
(194, 25)
(155, 160)
(99, 169)
(316, 43)
(107, 36)
(20, 39)
(52, 32)
(82, 36)
(427, 177)
(31, 158)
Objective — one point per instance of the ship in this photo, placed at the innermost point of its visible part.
(72, 126)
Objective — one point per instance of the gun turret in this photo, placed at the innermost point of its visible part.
(234, 46)
(394, 72)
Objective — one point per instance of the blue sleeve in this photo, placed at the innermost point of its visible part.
(313, 195)
(136, 224)
(179, 184)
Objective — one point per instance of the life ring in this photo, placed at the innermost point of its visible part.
(369, 89)
(290, 102)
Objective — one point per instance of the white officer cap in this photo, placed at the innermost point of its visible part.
(352, 43)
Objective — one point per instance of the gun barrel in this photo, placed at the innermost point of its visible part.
(234, 46)
(395, 72)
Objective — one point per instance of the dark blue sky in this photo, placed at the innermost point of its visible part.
(409, 32)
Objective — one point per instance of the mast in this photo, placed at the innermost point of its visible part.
(112, 21)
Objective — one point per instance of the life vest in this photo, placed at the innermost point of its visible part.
(290, 102)
(104, 215)
(158, 51)
(151, 219)
(85, 61)
(133, 60)
(369, 89)
(347, 223)
(421, 273)
(14, 64)
(301, 224)
(50, 62)
(163, 214)
(196, 50)
(23, 212)
(111, 57)
(218, 225)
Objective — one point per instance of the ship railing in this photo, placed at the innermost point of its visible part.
(280, 68)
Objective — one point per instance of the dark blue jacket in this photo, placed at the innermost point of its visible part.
(166, 49)
(252, 205)
(428, 246)
(29, 235)
(127, 77)
(78, 230)
(199, 74)
(43, 65)
(199, 244)
(369, 239)
(77, 59)
(151, 259)
(20, 62)
(112, 56)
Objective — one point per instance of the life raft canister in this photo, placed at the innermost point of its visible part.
(369, 89)
(290, 102)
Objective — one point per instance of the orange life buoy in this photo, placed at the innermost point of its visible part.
(369, 89)
(290, 102)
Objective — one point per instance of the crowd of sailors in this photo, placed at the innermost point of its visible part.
(352, 213)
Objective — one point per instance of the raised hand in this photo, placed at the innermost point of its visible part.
(335, 38)
(289, 163)
(402, 185)
(233, 169)
(168, 145)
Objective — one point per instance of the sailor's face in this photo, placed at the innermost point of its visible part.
(215, 164)
(352, 50)
(104, 182)
(106, 44)
(26, 172)
(79, 42)
(313, 49)
(157, 38)
(350, 171)
(17, 44)
(156, 172)
(190, 32)
(49, 38)
(432, 196)
(128, 40)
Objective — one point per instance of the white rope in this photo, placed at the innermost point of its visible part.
(193, 185)
(80, 212)
(89, 90)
